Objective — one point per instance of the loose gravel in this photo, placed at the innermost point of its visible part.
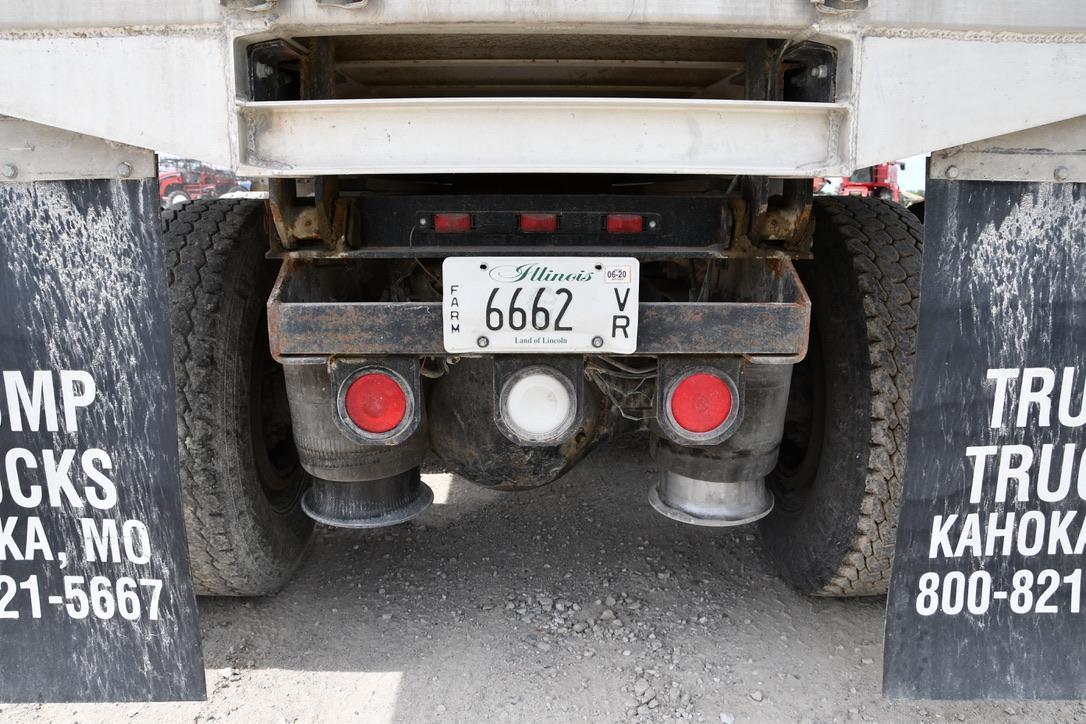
(576, 602)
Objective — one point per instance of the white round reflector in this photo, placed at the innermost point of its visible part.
(538, 406)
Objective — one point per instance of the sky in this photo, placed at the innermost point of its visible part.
(912, 178)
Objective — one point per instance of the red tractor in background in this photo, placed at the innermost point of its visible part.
(181, 180)
(879, 181)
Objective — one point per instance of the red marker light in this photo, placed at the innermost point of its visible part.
(701, 403)
(538, 223)
(375, 402)
(625, 223)
(452, 223)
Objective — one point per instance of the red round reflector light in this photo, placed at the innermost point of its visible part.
(375, 402)
(701, 403)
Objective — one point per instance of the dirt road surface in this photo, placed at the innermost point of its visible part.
(573, 603)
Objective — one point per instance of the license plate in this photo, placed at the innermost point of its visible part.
(549, 304)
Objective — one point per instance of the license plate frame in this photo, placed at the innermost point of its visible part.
(483, 313)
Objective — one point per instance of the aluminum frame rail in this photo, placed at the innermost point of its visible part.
(488, 135)
(911, 78)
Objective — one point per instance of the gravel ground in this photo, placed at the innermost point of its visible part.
(575, 602)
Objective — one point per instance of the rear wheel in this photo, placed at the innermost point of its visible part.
(241, 479)
(838, 479)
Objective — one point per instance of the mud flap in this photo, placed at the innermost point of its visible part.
(96, 600)
(987, 593)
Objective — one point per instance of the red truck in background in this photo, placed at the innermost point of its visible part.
(182, 179)
(879, 181)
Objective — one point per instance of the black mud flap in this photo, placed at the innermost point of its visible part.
(96, 601)
(987, 593)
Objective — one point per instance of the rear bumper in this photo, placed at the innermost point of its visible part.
(772, 320)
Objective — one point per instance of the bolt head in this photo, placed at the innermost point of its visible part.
(124, 169)
(1061, 173)
(597, 341)
(483, 342)
(953, 172)
(9, 170)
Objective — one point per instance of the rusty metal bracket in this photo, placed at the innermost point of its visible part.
(331, 212)
(788, 217)
(282, 194)
(323, 219)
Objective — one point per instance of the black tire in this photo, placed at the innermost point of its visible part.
(838, 481)
(240, 476)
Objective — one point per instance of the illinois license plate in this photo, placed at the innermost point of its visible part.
(548, 304)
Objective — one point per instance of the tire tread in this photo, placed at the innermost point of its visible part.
(885, 242)
(202, 240)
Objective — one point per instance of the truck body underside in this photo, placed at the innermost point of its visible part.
(658, 87)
